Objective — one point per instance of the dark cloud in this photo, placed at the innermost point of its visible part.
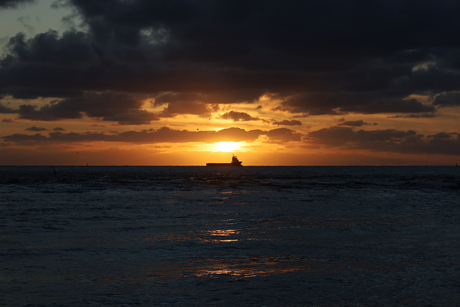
(238, 116)
(162, 135)
(448, 100)
(187, 107)
(108, 106)
(339, 136)
(282, 135)
(319, 57)
(209, 98)
(387, 140)
(288, 123)
(343, 103)
(353, 123)
(204, 104)
(427, 115)
(132, 117)
(6, 110)
(25, 138)
(315, 27)
(171, 98)
(58, 129)
(36, 129)
(49, 65)
(14, 3)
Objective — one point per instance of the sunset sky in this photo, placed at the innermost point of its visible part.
(186, 82)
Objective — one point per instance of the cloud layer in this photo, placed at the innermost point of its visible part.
(318, 57)
(122, 59)
(13, 3)
(152, 136)
(388, 140)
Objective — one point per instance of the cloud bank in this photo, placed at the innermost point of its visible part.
(388, 140)
(152, 136)
(318, 57)
(197, 57)
(14, 3)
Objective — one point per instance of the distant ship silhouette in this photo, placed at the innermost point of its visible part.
(235, 162)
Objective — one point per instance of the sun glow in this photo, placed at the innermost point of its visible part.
(226, 146)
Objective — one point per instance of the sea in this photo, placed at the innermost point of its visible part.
(229, 236)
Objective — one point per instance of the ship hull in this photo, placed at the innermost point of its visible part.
(235, 162)
(223, 164)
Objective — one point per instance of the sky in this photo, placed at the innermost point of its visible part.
(186, 82)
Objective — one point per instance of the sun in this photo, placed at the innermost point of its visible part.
(226, 146)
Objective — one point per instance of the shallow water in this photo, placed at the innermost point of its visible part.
(249, 236)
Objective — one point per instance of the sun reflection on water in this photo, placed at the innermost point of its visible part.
(252, 267)
(220, 235)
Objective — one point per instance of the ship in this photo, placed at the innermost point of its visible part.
(235, 162)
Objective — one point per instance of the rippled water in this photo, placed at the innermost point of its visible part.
(249, 236)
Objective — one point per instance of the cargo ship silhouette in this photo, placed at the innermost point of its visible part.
(235, 162)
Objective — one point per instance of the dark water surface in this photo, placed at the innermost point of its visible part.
(249, 236)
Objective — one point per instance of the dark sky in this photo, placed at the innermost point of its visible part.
(399, 59)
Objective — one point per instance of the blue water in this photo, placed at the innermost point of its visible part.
(249, 236)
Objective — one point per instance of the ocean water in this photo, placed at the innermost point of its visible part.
(248, 236)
